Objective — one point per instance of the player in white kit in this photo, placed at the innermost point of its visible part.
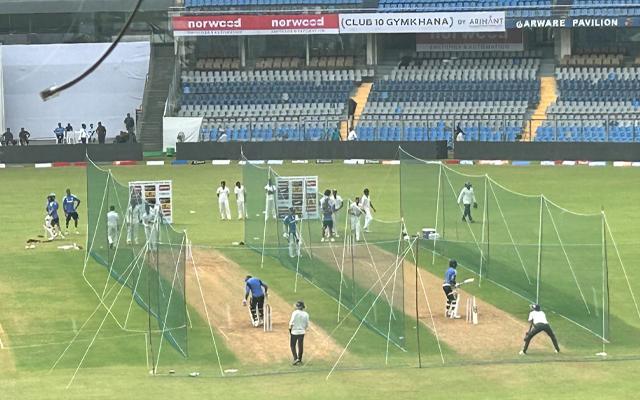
(150, 222)
(270, 192)
(354, 215)
(240, 196)
(113, 220)
(367, 206)
(223, 201)
(133, 219)
(337, 206)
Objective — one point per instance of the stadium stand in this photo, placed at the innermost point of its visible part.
(267, 3)
(596, 104)
(218, 64)
(600, 8)
(488, 98)
(272, 104)
(514, 8)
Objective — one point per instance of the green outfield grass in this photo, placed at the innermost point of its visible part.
(45, 300)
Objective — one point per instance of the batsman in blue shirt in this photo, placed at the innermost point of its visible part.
(258, 290)
(448, 286)
(291, 232)
(70, 205)
(52, 210)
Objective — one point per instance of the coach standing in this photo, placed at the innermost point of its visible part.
(539, 323)
(258, 290)
(102, 133)
(298, 326)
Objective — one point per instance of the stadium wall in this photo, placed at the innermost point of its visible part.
(308, 150)
(70, 153)
(576, 151)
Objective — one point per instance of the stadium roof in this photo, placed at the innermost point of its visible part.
(78, 6)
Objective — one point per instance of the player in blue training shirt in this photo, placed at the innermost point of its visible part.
(59, 132)
(70, 205)
(52, 210)
(258, 290)
(448, 286)
(291, 232)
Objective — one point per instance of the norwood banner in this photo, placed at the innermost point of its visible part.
(510, 40)
(423, 22)
(237, 25)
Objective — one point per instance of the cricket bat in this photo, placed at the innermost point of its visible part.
(469, 280)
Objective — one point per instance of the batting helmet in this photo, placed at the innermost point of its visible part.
(535, 307)
(453, 263)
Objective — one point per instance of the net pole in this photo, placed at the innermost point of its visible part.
(417, 311)
(156, 250)
(106, 225)
(295, 283)
(186, 243)
(402, 248)
(266, 216)
(353, 273)
(444, 224)
(435, 237)
(538, 273)
(310, 246)
(604, 282)
(486, 218)
(485, 228)
(153, 361)
(345, 241)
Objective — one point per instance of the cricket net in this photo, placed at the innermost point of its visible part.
(526, 244)
(143, 254)
(366, 281)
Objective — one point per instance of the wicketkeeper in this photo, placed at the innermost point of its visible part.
(539, 323)
(258, 290)
(449, 287)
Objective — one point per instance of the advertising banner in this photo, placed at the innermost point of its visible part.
(423, 22)
(238, 25)
(477, 41)
(159, 193)
(299, 192)
(573, 22)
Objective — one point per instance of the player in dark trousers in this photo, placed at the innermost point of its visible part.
(448, 286)
(52, 210)
(298, 325)
(539, 324)
(467, 198)
(258, 290)
(70, 205)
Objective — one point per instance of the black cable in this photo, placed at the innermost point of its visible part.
(54, 90)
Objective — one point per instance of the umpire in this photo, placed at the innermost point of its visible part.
(258, 290)
(539, 324)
